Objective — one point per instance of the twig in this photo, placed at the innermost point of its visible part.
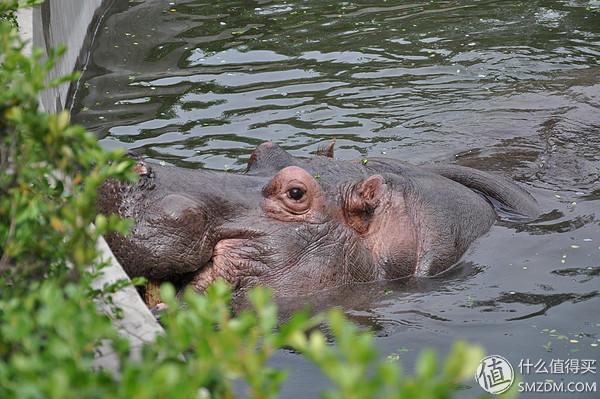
(5, 260)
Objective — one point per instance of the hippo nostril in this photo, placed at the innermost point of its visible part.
(296, 193)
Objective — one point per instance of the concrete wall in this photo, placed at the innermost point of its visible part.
(65, 22)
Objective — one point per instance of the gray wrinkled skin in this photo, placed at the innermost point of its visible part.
(381, 220)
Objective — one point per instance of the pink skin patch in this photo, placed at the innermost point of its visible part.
(232, 260)
(141, 169)
(159, 307)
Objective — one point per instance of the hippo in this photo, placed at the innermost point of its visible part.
(300, 225)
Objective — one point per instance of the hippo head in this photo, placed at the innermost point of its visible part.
(282, 228)
(290, 238)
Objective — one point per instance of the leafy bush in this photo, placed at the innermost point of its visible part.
(49, 327)
(49, 172)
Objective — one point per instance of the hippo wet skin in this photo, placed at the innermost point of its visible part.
(299, 225)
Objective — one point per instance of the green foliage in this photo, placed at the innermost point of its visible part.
(50, 172)
(220, 349)
(50, 330)
(48, 337)
(8, 10)
(9, 16)
(348, 365)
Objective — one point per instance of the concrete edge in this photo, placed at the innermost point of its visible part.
(137, 323)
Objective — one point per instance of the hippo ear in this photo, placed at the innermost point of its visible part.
(268, 157)
(327, 151)
(362, 200)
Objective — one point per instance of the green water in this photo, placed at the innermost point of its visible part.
(512, 87)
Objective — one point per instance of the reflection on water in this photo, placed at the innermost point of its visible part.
(511, 87)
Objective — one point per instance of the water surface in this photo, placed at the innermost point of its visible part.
(511, 87)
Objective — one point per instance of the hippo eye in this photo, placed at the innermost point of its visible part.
(296, 193)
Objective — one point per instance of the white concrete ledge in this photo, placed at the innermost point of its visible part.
(138, 324)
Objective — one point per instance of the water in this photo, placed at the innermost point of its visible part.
(511, 87)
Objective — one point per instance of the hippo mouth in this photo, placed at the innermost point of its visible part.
(234, 260)
(238, 261)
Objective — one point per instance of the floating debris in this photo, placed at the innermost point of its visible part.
(548, 346)
(393, 357)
